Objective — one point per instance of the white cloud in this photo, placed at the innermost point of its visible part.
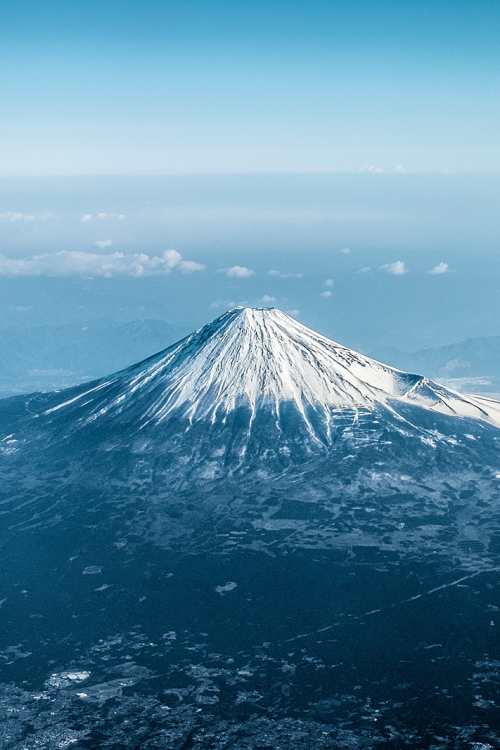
(73, 263)
(439, 269)
(371, 168)
(15, 217)
(293, 313)
(365, 269)
(173, 259)
(395, 269)
(285, 275)
(190, 266)
(237, 272)
(268, 298)
(103, 244)
(103, 216)
(326, 294)
(374, 169)
(328, 282)
(346, 250)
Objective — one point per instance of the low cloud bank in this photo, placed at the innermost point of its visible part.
(16, 217)
(103, 216)
(74, 263)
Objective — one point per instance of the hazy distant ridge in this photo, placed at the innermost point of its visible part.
(476, 359)
(56, 356)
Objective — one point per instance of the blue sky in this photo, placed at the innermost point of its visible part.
(210, 131)
(156, 87)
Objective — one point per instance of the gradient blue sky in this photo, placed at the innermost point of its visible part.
(210, 128)
(120, 87)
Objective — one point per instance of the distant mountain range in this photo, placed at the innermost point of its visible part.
(51, 357)
(472, 365)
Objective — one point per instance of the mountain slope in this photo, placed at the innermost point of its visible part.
(256, 538)
(255, 358)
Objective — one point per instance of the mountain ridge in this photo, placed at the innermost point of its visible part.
(260, 356)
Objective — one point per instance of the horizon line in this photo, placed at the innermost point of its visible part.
(248, 173)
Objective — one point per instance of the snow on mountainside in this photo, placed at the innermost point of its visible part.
(254, 357)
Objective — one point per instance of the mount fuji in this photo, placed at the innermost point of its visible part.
(251, 378)
(256, 357)
(256, 538)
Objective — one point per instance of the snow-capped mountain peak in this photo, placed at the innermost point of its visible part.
(256, 356)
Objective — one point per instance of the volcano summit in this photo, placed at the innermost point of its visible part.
(254, 536)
